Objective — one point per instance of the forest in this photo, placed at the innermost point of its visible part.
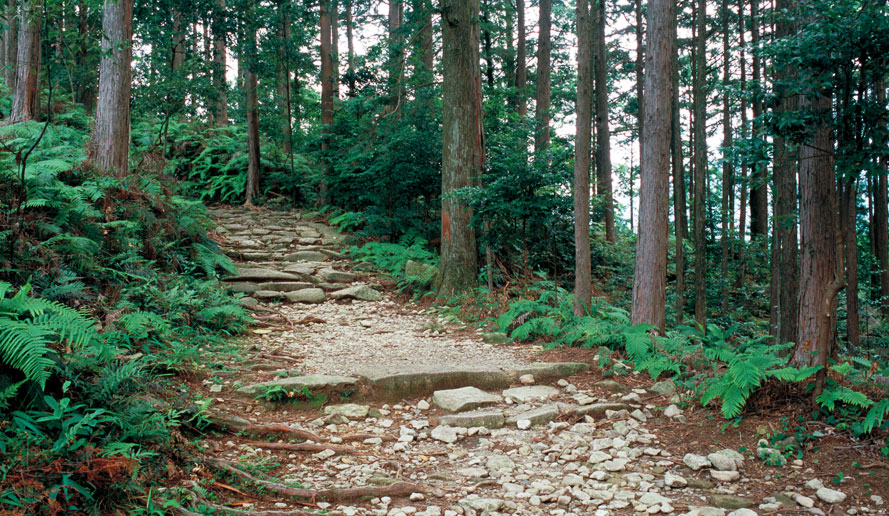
(693, 190)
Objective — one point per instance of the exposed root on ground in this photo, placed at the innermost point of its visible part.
(304, 447)
(333, 495)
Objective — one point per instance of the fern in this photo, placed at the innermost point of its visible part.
(876, 415)
(836, 393)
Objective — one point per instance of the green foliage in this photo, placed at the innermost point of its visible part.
(392, 259)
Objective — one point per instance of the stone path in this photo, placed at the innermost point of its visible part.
(479, 429)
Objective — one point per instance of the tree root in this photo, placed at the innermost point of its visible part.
(304, 447)
(198, 497)
(336, 494)
(361, 437)
(281, 428)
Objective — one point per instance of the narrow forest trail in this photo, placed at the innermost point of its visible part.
(352, 403)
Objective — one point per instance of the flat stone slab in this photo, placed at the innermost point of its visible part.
(301, 269)
(306, 295)
(538, 416)
(599, 409)
(416, 381)
(262, 275)
(285, 286)
(463, 399)
(486, 418)
(348, 410)
(268, 294)
(531, 392)
(334, 276)
(306, 256)
(361, 292)
(313, 382)
(246, 288)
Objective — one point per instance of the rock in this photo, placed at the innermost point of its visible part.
(423, 405)
(463, 399)
(314, 382)
(248, 302)
(268, 294)
(495, 338)
(598, 410)
(523, 424)
(306, 256)
(773, 457)
(830, 495)
(730, 502)
(335, 276)
(246, 288)
(348, 410)
(444, 433)
(724, 476)
(814, 484)
(360, 292)
(653, 499)
(285, 286)
(726, 460)
(262, 275)
(538, 416)
(743, 512)
(611, 385)
(696, 462)
(664, 388)
(485, 505)
(307, 295)
(804, 501)
(530, 393)
(615, 465)
(877, 499)
(704, 511)
(216, 387)
(422, 272)
(500, 463)
(527, 379)
(598, 456)
(477, 418)
(673, 480)
(638, 415)
(672, 411)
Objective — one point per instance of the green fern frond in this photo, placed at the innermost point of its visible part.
(833, 394)
(876, 415)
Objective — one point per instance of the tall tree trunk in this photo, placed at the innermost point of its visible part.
(10, 46)
(521, 65)
(251, 80)
(25, 104)
(759, 201)
(283, 86)
(848, 223)
(220, 113)
(463, 145)
(350, 48)
(700, 156)
(86, 89)
(426, 45)
(727, 207)
(603, 135)
(486, 37)
(326, 100)
(396, 54)
(785, 169)
(335, 49)
(110, 142)
(582, 264)
(880, 219)
(544, 49)
(177, 59)
(821, 275)
(742, 210)
(680, 214)
(509, 57)
(640, 68)
(650, 275)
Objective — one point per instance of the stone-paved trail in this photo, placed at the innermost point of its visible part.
(436, 421)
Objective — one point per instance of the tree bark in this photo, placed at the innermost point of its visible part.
(785, 170)
(881, 228)
(850, 234)
(488, 48)
(640, 68)
(326, 100)
(177, 59)
(350, 49)
(10, 46)
(220, 111)
(396, 54)
(759, 202)
(650, 275)
(25, 104)
(426, 44)
(603, 134)
(335, 49)
(821, 275)
(727, 207)
(463, 145)
(251, 105)
(680, 214)
(283, 86)
(110, 143)
(544, 50)
(521, 66)
(582, 264)
(700, 157)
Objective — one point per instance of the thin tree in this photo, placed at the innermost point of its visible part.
(700, 163)
(727, 207)
(680, 213)
(544, 51)
(251, 104)
(463, 146)
(521, 65)
(880, 220)
(326, 99)
(10, 46)
(650, 274)
(582, 265)
(759, 202)
(220, 111)
(110, 142)
(603, 133)
(25, 103)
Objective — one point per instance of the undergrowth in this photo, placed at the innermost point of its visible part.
(108, 286)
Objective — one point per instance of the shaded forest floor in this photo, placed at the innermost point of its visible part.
(348, 399)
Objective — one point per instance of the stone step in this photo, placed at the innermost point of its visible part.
(262, 274)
